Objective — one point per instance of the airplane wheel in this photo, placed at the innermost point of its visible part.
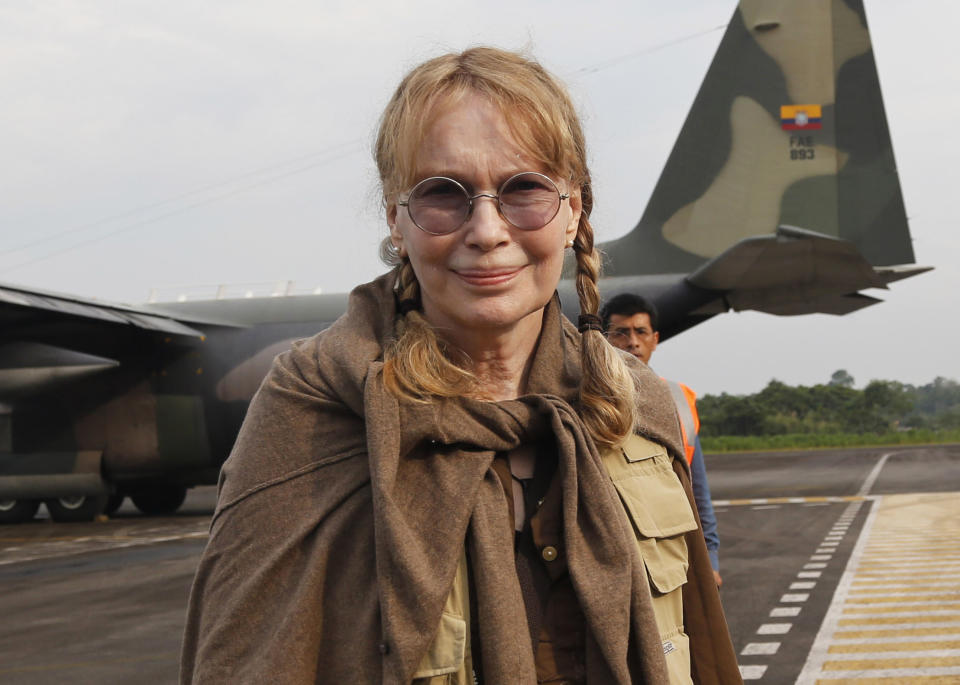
(114, 502)
(75, 508)
(160, 499)
(18, 510)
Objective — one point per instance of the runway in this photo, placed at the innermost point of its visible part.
(839, 566)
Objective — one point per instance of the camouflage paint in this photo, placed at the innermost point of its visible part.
(735, 172)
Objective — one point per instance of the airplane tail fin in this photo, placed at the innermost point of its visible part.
(788, 130)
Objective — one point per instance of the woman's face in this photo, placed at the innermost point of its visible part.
(486, 277)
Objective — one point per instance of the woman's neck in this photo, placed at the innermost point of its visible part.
(500, 359)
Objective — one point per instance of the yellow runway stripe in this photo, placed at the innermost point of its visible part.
(892, 620)
(895, 647)
(873, 598)
(943, 631)
(921, 611)
(908, 574)
(894, 563)
(945, 560)
(913, 680)
(875, 664)
(905, 581)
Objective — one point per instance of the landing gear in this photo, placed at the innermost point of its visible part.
(76, 508)
(159, 499)
(18, 510)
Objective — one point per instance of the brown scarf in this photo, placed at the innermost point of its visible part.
(351, 582)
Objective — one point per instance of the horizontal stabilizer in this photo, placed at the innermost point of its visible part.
(889, 274)
(794, 271)
(825, 304)
(790, 257)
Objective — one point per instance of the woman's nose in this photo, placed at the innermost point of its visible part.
(485, 227)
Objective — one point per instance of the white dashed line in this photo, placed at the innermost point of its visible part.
(756, 648)
(784, 612)
(752, 672)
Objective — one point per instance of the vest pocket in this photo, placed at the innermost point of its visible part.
(658, 508)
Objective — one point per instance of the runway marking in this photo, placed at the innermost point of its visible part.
(898, 620)
(757, 648)
(917, 593)
(884, 634)
(883, 664)
(786, 500)
(924, 680)
(895, 615)
(906, 582)
(123, 542)
(811, 570)
(892, 610)
(752, 672)
(874, 474)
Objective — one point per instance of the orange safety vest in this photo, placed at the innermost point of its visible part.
(686, 401)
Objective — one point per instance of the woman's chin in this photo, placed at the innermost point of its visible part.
(486, 316)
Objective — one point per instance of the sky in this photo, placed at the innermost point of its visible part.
(174, 147)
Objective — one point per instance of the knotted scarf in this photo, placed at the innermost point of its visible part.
(343, 513)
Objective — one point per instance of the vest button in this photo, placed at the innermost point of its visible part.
(549, 553)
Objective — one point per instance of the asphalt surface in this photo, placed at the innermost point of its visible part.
(104, 602)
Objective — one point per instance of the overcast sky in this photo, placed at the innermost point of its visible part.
(180, 144)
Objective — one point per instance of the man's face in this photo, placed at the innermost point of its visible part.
(633, 334)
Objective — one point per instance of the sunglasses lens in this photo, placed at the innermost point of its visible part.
(438, 205)
(529, 201)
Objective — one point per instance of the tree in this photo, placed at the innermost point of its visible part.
(840, 378)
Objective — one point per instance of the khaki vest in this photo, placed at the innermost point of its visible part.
(660, 512)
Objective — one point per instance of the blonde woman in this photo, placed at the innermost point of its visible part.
(453, 483)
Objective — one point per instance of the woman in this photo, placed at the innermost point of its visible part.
(449, 483)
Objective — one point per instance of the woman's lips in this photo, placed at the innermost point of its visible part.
(487, 277)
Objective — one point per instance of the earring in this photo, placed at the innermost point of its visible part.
(569, 243)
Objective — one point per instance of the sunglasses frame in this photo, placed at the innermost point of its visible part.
(470, 198)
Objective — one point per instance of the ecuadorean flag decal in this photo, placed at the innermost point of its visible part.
(800, 117)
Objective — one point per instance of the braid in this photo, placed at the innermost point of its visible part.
(607, 389)
(417, 366)
(408, 287)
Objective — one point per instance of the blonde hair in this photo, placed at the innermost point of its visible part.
(541, 117)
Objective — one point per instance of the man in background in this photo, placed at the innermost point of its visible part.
(631, 323)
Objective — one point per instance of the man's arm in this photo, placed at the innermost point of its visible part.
(701, 493)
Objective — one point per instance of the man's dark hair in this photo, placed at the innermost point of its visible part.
(628, 304)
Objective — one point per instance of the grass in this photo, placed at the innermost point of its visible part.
(741, 443)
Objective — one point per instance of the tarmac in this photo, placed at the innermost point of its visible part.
(839, 566)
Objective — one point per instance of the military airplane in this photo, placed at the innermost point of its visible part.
(781, 195)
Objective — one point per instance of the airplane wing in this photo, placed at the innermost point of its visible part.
(47, 339)
(781, 194)
(35, 310)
